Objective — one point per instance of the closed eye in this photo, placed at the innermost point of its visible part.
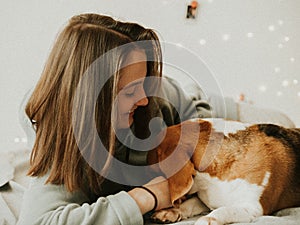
(129, 94)
(131, 90)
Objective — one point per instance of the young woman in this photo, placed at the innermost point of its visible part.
(95, 88)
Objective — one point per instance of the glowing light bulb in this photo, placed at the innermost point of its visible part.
(286, 39)
(271, 28)
(280, 22)
(277, 69)
(285, 83)
(292, 59)
(17, 140)
(262, 88)
(279, 93)
(202, 41)
(295, 82)
(250, 35)
(226, 37)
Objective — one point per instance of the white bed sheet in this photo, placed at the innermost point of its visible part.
(284, 217)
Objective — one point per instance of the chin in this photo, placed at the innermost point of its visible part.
(125, 123)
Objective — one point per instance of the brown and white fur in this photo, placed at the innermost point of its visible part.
(237, 176)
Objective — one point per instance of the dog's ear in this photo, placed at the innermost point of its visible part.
(208, 140)
(177, 149)
(181, 182)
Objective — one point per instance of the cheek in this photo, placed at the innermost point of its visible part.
(124, 105)
(123, 119)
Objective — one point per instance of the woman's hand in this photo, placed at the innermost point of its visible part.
(145, 200)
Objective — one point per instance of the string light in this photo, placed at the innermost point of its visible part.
(262, 88)
(277, 69)
(295, 81)
(271, 28)
(280, 22)
(279, 93)
(226, 37)
(285, 83)
(249, 35)
(202, 41)
(292, 59)
(286, 39)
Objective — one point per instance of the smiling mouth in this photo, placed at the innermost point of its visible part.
(131, 111)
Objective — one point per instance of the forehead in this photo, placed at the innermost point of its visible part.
(134, 68)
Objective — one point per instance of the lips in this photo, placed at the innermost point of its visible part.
(131, 111)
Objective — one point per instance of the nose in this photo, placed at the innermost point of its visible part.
(143, 100)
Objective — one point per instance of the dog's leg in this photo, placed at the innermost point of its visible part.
(192, 207)
(232, 214)
(187, 209)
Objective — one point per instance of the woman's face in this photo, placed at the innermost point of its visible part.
(131, 93)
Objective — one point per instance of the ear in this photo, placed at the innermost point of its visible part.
(181, 182)
(193, 131)
(185, 138)
(152, 157)
(194, 125)
(205, 125)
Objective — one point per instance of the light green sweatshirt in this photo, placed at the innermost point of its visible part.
(52, 204)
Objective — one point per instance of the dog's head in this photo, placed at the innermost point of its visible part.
(177, 157)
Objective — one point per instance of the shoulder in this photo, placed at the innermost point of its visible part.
(41, 191)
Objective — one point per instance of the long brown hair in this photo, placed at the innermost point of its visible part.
(135, 32)
(50, 108)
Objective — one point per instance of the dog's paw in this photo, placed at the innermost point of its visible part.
(167, 215)
(207, 220)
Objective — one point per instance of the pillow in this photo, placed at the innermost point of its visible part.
(7, 170)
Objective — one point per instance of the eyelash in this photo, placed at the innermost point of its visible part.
(129, 94)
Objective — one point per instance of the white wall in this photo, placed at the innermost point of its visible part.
(265, 66)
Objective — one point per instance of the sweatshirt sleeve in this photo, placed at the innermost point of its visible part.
(180, 105)
(52, 204)
(223, 107)
(210, 104)
(190, 102)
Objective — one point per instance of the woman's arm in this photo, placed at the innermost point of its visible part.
(179, 105)
(160, 188)
(191, 102)
(52, 204)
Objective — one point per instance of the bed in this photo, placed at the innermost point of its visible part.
(14, 165)
(13, 181)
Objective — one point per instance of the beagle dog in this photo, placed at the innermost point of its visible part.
(232, 176)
